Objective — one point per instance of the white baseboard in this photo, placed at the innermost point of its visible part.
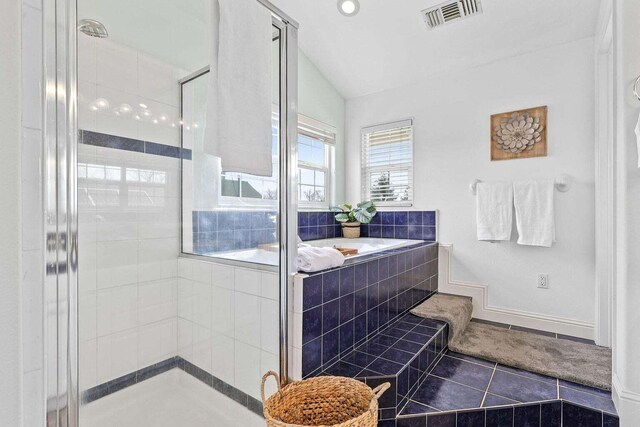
(627, 403)
(482, 310)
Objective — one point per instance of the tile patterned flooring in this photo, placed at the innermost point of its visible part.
(171, 399)
(460, 382)
(456, 383)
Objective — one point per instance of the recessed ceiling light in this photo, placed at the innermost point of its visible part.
(348, 7)
(143, 105)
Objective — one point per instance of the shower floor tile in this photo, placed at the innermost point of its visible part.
(174, 398)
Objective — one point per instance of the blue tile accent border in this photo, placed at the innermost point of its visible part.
(254, 405)
(97, 139)
(110, 387)
(133, 378)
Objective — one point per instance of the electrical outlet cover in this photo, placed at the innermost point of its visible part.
(543, 281)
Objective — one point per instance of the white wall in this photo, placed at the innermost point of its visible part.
(452, 147)
(10, 257)
(626, 339)
(318, 99)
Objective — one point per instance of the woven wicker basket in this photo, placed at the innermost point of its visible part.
(322, 401)
(351, 230)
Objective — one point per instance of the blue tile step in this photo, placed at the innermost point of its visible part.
(474, 391)
(401, 354)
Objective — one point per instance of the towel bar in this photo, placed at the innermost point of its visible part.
(561, 183)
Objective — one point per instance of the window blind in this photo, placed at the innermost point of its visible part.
(387, 159)
(316, 130)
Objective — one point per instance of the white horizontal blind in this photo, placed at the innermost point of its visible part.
(387, 160)
(316, 130)
(316, 133)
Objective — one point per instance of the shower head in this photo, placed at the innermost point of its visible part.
(93, 28)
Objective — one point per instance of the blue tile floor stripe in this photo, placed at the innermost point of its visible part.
(178, 362)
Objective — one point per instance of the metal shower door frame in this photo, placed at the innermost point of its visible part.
(61, 214)
(60, 150)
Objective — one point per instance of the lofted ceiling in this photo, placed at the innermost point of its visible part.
(387, 44)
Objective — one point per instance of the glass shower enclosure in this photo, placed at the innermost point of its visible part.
(177, 270)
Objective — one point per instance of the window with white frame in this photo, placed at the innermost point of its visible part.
(387, 163)
(241, 189)
(316, 143)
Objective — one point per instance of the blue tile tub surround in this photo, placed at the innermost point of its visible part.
(359, 300)
(414, 225)
(465, 385)
(218, 231)
(135, 145)
(318, 225)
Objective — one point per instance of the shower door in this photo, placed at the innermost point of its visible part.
(139, 292)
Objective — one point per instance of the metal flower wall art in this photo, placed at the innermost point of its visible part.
(519, 134)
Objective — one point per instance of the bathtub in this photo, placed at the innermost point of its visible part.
(364, 245)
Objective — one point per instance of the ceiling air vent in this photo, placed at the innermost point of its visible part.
(450, 11)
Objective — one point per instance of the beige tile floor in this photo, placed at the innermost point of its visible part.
(172, 399)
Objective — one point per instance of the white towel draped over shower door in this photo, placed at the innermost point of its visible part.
(535, 212)
(238, 124)
(494, 211)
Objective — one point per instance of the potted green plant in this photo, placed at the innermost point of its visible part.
(351, 217)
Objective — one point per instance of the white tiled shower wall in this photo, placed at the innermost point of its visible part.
(228, 321)
(128, 213)
(126, 79)
(128, 248)
(139, 304)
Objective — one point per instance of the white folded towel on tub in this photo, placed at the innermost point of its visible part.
(312, 259)
(535, 213)
(494, 211)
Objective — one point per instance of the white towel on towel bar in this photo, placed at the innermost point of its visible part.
(312, 259)
(494, 211)
(239, 102)
(535, 213)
